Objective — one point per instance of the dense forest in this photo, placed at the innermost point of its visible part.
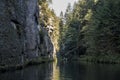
(88, 30)
(91, 28)
(30, 32)
(64, 47)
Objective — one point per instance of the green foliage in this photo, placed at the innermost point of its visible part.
(112, 59)
(102, 35)
(92, 27)
(74, 21)
(49, 18)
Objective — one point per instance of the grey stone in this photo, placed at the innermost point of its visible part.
(20, 38)
(46, 46)
(19, 35)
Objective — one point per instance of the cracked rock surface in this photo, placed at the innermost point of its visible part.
(19, 35)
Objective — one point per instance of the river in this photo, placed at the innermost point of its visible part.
(65, 71)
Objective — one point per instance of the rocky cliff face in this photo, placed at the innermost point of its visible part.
(19, 34)
(46, 46)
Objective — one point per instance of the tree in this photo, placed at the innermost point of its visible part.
(102, 35)
(50, 21)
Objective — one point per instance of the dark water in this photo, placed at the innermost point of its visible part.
(65, 71)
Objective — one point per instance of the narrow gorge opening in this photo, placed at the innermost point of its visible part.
(86, 30)
(83, 35)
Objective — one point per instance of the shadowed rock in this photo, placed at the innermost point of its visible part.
(19, 35)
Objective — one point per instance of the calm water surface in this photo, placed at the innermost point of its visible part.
(65, 71)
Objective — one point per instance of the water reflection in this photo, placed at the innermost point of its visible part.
(65, 71)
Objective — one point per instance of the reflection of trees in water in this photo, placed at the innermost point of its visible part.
(46, 71)
(65, 71)
(56, 72)
(88, 71)
(41, 72)
(72, 71)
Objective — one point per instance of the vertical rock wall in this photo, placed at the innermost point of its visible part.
(10, 42)
(32, 33)
(19, 34)
(20, 38)
(46, 46)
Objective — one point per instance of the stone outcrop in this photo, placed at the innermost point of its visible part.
(19, 34)
(46, 46)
